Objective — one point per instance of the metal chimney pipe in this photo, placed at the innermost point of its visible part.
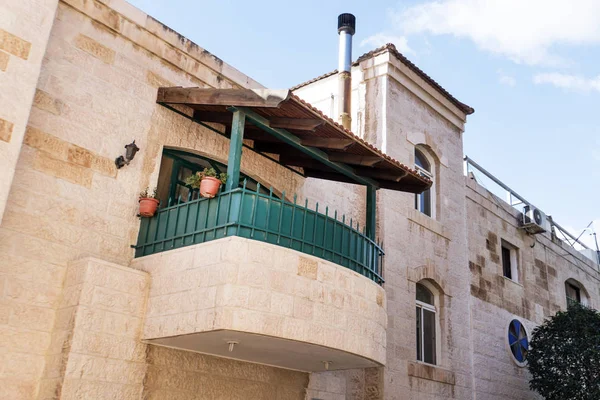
(346, 29)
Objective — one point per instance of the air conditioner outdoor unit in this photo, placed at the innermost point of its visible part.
(534, 220)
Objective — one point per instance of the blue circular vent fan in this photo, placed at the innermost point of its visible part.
(517, 340)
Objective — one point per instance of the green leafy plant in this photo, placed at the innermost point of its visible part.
(209, 172)
(194, 180)
(564, 355)
(223, 177)
(147, 194)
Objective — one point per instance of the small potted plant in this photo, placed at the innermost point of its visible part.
(148, 203)
(208, 181)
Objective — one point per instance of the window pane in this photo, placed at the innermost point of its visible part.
(423, 202)
(421, 161)
(426, 199)
(506, 267)
(428, 337)
(184, 173)
(419, 338)
(573, 293)
(424, 295)
(181, 194)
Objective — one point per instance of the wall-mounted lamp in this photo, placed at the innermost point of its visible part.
(232, 344)
(130, 150)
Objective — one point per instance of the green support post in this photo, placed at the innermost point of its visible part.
(371, 212)
(235, 150)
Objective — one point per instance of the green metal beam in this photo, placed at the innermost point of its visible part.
(235, 150)
(296, 142)
(371, 212)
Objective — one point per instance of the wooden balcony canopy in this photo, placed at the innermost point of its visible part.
(278, 122)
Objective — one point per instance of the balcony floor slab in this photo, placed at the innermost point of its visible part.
(268, 350)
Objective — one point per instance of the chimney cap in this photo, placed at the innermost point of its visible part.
(347, 22)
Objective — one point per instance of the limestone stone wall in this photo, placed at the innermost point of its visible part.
(544, 265)
(183, 375)
(419, 247)
(358, 384)
(96, 92)
(24, 29)
(249, 286)
(401, 112)
(95, 350)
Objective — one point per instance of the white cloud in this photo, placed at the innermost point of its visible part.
(506, 79)
(568, 82)
(523, 30)
(381, 39)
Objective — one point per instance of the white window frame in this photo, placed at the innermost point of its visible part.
(429, 174)
(514, 260)
(434, 309)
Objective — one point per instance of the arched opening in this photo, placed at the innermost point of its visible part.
(575, 292)
(177, 165)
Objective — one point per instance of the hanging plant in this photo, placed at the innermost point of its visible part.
(208, 181)
(148, 203)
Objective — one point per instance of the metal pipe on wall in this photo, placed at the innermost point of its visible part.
(346, 29)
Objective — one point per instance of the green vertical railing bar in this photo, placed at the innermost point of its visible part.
(250, 214)
(235, 150)
(371, 212)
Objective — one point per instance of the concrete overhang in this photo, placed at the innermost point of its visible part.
(267, 350)
(283, 307)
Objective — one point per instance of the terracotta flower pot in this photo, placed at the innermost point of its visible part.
(148, 207)
(209, 186)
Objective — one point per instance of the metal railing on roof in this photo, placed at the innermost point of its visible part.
(557, 230)
(248, 213)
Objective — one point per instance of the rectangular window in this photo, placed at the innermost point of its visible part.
(509, 261)
(426, 347)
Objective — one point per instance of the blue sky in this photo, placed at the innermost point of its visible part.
(530, 69)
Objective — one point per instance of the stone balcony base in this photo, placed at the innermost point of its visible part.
(285, 308)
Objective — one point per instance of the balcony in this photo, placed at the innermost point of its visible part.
(250, 214)
(249, 276)
(290, 286)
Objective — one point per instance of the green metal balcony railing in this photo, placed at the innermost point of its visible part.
(250, 214)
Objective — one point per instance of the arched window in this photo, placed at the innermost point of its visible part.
(575, 292)
(424, 201)
(176, 166)
(426, 324)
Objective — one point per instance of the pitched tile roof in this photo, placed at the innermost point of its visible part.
(392, 49)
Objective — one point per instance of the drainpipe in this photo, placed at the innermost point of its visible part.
(346, 28)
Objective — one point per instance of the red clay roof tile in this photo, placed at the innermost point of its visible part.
(392, 49)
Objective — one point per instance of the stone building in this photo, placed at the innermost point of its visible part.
(276, 288)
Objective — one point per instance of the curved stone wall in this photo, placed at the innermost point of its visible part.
(248, 286)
